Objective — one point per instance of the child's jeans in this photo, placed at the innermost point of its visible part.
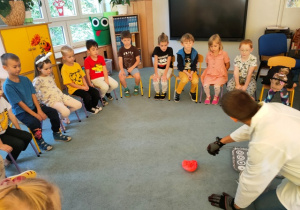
(284, 95)
(104, 87)
(90, 97)
(184, 80)
(17, 139)
(35, 125)
(164, 84)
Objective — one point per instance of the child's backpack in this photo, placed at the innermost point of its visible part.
(272, 71)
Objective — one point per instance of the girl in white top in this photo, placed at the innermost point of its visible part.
(48, 93)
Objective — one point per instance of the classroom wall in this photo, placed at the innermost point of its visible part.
(261, 13)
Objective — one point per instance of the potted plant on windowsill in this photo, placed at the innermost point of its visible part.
(121, 5)
(12, 12)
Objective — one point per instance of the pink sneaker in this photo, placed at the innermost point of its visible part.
(215, 101)
(207, 100)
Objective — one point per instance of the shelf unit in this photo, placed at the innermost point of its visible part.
(120, 23)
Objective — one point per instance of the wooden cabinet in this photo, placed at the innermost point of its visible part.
(120, 23)
(27, 42)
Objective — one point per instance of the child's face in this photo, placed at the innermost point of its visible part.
(126, 42)
(187, 45)
(245, 50)
(13, 67)
(69, 57)
(215, 47)
(163, 46)
(93, 51)
(46, 70)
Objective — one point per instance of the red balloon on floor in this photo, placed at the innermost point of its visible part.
(189, 165)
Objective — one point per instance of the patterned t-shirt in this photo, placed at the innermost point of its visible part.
(128, 55)
(244, 66)
(4, 107)
(72, 74)
(162, 57)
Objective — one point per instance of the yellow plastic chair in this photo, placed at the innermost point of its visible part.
(281, 61)
(200, 61)
(169, 80)
(131, 77)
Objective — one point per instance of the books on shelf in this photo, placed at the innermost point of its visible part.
(126, 23)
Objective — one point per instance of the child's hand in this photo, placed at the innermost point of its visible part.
(238, 87)
(6, 148)
(164, 78)
(155, 77)
(106, 80)
(190, 76)
(42, 114)
(92, 85)
(86, 88)
(129, 70)
(39, 117)
(244, 88)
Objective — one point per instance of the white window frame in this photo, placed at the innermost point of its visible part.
(72, 22)
(66, 34)
(65, 22)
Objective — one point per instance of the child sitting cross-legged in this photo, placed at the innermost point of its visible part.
(96, 72)
(21, 95)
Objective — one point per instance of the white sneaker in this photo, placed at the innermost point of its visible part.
(99, 108)
(94, 110)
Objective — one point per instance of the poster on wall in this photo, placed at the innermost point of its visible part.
(293, 4)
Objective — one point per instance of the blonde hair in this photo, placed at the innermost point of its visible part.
(163, 38)
(187, 37)
(35, 194)
(246, 42)
(215, 38)
(66, 49)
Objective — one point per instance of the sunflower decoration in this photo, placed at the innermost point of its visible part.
(45, 46)
(35, 40)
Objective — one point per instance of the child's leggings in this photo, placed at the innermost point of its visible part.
(207, 90)
(164, 85)
(184, 80)
(35, 125)
(17, 139)
(284, 95)
(62, 107)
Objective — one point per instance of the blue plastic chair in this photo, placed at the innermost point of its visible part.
(270, 45)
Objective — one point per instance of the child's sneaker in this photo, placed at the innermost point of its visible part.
(193, 96)
(99, 108)
(93, 110)
(215, 101)
(136, 90)
(44, 145)
(6, 162)
(207, 100)
(162, 96)
(127, 92)
(104, 101)
(108, 95)
(66, 120)
(58, 136)
(176, 97)
(157, 96)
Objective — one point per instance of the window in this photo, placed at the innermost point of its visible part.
(70, 20)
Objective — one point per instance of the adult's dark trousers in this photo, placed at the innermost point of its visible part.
(17, 139)
(90, 97)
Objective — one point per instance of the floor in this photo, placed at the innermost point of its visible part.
(129, 155)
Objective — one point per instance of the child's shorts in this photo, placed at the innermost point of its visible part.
(133, 72)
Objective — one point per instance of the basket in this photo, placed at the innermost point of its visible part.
(17, 14)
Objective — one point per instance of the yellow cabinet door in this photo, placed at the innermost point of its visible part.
(16, 41)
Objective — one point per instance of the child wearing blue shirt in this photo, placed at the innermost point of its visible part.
(21, 95)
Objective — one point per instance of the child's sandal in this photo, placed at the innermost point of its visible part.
(215, 101)
(207, 100)
(43, 145)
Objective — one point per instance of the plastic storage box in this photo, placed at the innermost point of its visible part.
(108, 65)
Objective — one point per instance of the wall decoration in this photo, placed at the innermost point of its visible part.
(44, 44)
(293, 4)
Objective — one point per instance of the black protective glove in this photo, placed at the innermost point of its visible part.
(223, 201)
(214, 148)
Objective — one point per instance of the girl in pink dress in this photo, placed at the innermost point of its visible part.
(217, 62)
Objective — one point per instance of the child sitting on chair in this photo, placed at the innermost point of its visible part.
(218, 64)
(96, 72)
(21, 95)
(47, 91)
(129, 59)
(244, 66)
(187, 59)
(12, 140)
(278, 84)
(73, 77)
(162, 66)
